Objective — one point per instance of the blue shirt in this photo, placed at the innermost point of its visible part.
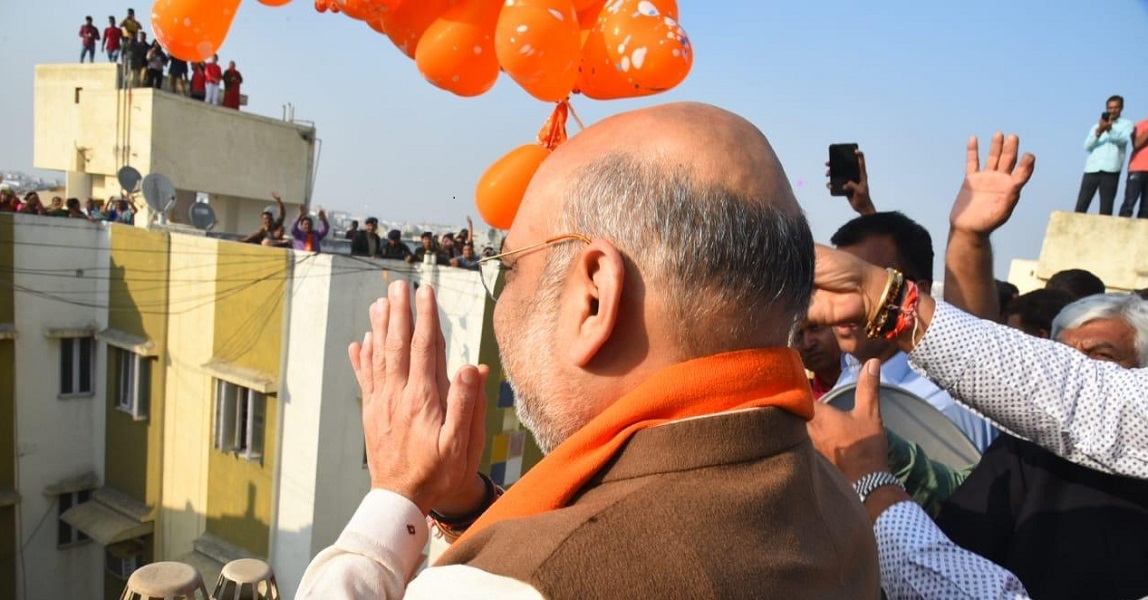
(897, 372)
(1106, 152)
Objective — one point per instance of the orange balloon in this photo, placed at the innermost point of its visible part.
(406, 24)
(359, 10)
(648, 46)
(381, 5)
(588, 11)
(598, 77)
(502, 186)
(321, 5)
(274, 2)
(377, 24)
(192, 30)
(538, 44)
(456, 53)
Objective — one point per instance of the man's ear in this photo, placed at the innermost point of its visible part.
(592, 300)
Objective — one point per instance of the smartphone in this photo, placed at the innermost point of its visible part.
(1104, 116)
(843, 168)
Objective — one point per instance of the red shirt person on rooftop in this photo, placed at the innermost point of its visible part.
(112, 38)
(90, 35)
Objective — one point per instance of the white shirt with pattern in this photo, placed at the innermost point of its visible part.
(1090, 412)
(896, 370)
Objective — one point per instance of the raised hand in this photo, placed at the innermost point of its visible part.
(988, 196)
(424, 433)
(859, 198)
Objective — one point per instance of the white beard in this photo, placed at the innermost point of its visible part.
(542, 402)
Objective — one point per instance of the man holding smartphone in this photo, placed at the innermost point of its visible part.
(1105, 144)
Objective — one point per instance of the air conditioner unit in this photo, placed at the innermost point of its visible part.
(121, 560)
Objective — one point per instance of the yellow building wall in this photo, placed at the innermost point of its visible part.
(248, 333)
(7, 413)
(187, 406)
(138, 305)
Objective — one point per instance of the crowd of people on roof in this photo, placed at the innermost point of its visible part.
(144, 63)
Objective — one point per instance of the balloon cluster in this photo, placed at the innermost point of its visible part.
(603, 49)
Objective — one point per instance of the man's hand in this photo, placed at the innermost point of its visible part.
(859, 198)
(424, 433)
(1104, 125)
(846, 288)
(988, 196)
(853, 441)
(322, 215)
(275, 195)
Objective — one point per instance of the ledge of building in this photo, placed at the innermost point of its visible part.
(219, 550)
(262, 382)
(84, 481)
(110, 517)
(9, 498)
(127, 341)
(8, 331)
(124, 504)
(70, 332)
(1111, 247)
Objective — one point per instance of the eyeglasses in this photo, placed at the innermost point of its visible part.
(492, 266)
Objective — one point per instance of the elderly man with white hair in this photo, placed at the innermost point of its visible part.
(1111, 327)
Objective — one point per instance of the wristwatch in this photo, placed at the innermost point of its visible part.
(872, 481)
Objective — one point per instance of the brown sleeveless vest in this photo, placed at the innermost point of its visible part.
(737, 505)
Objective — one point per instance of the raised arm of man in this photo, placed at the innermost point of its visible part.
(859, 199)
(1090, 412)
(1121, 132)
(282, 207)
(985, 202)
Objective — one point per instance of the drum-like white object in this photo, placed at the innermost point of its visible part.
(910, 417)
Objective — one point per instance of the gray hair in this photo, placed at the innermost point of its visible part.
(705, 249)
(1130, 308)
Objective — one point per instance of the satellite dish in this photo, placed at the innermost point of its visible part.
(202, 216)
(910, 417)
(159, 193)
(129, 179)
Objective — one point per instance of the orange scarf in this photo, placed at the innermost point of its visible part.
(705, 386)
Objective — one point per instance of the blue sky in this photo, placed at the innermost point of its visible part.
(908, 81)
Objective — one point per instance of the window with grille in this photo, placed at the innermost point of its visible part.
(239, 420)
(76, 360)
(133, 383)
(66, 535)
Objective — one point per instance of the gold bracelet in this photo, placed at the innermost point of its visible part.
(885, 306)
(892, 306)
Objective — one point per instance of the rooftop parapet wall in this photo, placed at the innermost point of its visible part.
(1114, 248)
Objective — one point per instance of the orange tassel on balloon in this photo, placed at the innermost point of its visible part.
(502, 186)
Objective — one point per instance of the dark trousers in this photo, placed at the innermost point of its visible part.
(1107, 183)
(155, 80)
(1066, 531)
(1136, 187)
